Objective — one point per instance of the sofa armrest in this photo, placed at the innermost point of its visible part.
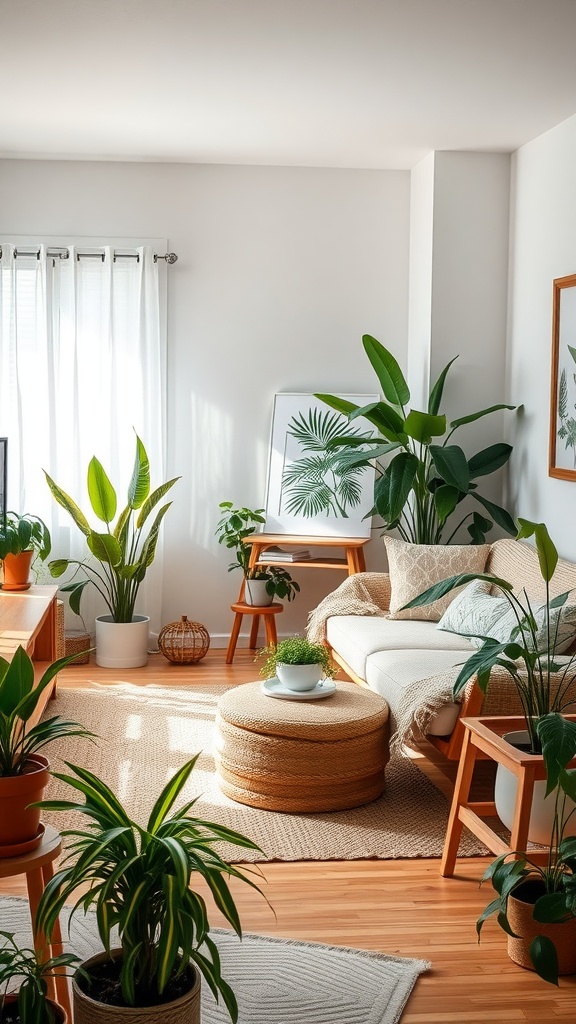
(364, 593)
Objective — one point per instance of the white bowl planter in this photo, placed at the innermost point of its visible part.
(122, 644)
(299, 677)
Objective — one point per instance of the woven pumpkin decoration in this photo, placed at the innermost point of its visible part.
(184, 642)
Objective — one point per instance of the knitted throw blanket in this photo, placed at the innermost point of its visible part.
(365, 593)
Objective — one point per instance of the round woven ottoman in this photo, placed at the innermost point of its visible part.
(302, 755)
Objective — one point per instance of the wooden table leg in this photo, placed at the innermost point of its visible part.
(361, 560)
(233, 638)
(461, 794)
(522, 811)
(254, 632)
(351, 560)
(35, 885)
(270, 624)
(61, 982)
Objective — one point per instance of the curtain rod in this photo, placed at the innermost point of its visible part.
(64, 254)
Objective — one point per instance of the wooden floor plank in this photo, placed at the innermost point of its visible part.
(402, 907)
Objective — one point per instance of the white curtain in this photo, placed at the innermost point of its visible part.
(82, 367)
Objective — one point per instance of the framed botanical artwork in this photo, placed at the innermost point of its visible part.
(3, 478)
(563, 384)
(310, 492)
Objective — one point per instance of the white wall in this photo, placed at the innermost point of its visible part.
(543, 247)
(280, 272)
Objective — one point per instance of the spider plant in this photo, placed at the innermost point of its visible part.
(17, 962)
(139, 881)
(428, 477)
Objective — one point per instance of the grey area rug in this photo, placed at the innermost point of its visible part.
(146, 734)
(276, 981)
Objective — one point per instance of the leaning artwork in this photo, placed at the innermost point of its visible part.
(562, 462)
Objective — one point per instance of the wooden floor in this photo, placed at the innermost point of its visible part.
(402, 907)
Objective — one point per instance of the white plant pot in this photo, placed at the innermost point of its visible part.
(255, 593)
(122, 644)
(542, 814)
(299, 677)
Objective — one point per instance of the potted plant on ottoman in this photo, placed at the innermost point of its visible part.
(30, 1005)
(297, 663)
(118, 558)
(21, 538)
(536, 905)
(23, 770)
(139, 882)
(261, 583)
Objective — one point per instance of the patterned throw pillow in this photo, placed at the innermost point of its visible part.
(415, 567)
(475, 611)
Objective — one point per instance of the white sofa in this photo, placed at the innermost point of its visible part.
(413, 664)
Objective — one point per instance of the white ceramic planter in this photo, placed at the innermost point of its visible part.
(299, 677)
(122, 644)
(542, 813)
(255, 593)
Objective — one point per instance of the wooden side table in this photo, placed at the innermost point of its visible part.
(38, 866)
(353, 547)
(484, 736)
(267, 612)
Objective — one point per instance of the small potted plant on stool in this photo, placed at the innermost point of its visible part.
(261, 583)
(297, 663)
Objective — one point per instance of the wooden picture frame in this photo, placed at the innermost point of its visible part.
(562, 446)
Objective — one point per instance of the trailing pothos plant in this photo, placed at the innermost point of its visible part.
(428, 476)
(544, 683)
(139, 881)
(550, 887)
(120, 555)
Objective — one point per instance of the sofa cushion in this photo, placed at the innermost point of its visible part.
(415, 567)
(356, 637)
(391, 673)
(475, 611)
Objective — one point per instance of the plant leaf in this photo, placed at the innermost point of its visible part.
(500, 516)
(436, 392)
(452, 465)
(139, 486)
(489, 460)
(388, 371)
(101, 492)
(423, 427)
(477, 415)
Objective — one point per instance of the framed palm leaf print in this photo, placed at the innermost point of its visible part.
(312, 491)
(563, 385)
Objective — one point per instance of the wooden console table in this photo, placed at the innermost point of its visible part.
(28, 619)
(485, 736)
(352, 561)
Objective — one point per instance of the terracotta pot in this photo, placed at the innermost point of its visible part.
(20, 823)
(563, 934)
(17, 571)
(60, 1015)
(184, 1010)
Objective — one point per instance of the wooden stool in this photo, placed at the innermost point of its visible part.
(268, 612)
(38, 868)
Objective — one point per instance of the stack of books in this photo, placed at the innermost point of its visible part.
(281, 555)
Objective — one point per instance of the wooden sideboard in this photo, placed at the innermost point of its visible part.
(28, 619)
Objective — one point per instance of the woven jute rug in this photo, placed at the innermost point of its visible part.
(146, 734)
(276, 981)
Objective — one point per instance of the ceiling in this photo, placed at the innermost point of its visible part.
(322, 83)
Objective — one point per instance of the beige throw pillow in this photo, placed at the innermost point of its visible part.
(415, 567)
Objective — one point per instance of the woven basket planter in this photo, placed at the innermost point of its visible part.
(184, 642)
(77, 641)
(184, 1010)
(562, 934)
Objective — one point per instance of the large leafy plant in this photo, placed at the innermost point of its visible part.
(22, 964)
(121, 554)
(428, 476)
(18, 701)
(543, 683)
(554, 883)
(139, 882)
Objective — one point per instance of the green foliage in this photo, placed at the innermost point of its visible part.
(18, 701)
(20, 963)
(296, 650)
(421, 486)
(20, 533)
(322, 483)
(542, 684)
(139, 881)
(117, 559)
(235, 525)
(556, 880)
